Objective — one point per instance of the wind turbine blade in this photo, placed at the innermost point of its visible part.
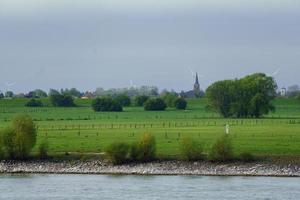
(275, 72)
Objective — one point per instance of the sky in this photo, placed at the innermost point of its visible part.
(121, 43)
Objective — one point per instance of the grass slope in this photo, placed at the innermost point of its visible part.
(82, 130)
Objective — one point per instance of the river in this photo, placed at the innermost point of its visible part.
(40, 186)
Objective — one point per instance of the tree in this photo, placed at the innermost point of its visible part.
(1, 95)
(140, 100)
(40, 93)
(169, 98)
(106, 104)
(123, 100)
(180, 103)
(20, 138)
(9, 94)
(250, 96)
(155, 104)
(220, 96)
(293, 91)
(34, 103)
(71, 92)
(61, 100)
(53, 92)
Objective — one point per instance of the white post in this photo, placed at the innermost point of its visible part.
(227, 129)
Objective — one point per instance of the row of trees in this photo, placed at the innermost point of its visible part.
(106, 104)
(250, 96)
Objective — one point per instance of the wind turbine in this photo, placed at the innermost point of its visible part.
(274, 73)
(9, 85)
(131, 84)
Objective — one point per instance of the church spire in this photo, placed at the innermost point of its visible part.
(197, 79)
(197, 86)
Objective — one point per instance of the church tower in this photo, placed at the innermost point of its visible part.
(197, 86)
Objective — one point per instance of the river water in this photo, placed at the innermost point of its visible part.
(43, 187)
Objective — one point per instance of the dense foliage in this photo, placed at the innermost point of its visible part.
(34, 103)
(20, 138)
(43, 149)
(123, 100)
(38, 93)
(61, 100)
(146, 148)
(117, 152)
(222, 150)
(250, 96)
(106, 104)
(180, 103)
(191, 150)
(155, 104)
(169, 98)
(9, 94)
(140, 100)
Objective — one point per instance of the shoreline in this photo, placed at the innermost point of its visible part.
(152, 168)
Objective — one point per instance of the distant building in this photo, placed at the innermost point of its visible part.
(282, 92)
(197, 87)
(195, 93)
(87, 95)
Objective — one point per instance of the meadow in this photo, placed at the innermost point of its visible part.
(82, 130)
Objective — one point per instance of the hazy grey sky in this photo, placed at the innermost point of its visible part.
(106, 43)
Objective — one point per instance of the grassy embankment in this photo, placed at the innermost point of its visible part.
(82, 130)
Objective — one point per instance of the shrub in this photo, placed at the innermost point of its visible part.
(246, 157)
(140, 100)
(134, 152)
(2, 153)
(62, 100)
(20, 138)
(155, 104)
(180, 103)
(43, 149)
(117, 152)
(106, 104)
(221, 150)
(191, 150)
(123, 100)
(146, 148)
(34, 103)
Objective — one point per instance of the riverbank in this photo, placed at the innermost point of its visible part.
(153, 168)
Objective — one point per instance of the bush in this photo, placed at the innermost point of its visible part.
(221, 150)
(117, 153)
(43, 150)
(123, 100)
(146, 148)
(106, 104)
(20, 138)
(180, 103)
(2, 153)
(34, 103)
(140, 100)
(191, 150)
(62, 100)
(155, 104)
(246, 157)
(134, 152)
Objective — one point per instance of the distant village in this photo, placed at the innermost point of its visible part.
(195, 92)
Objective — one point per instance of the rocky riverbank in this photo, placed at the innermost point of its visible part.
(154, 168)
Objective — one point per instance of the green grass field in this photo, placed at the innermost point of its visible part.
(82, 130)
